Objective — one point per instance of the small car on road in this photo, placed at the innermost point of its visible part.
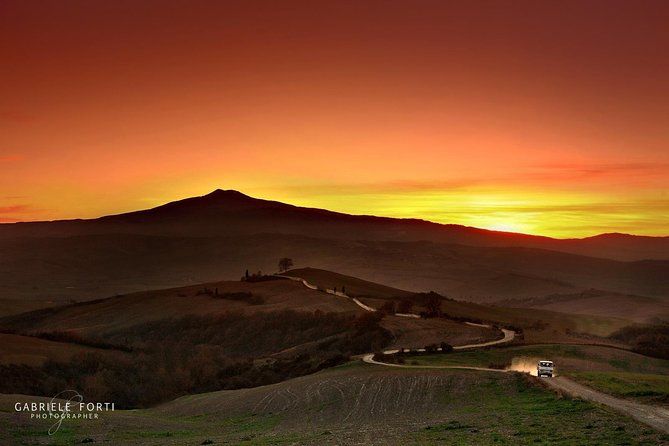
(545, 368)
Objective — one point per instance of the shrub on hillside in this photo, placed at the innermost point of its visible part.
(649, 340)
(243, 296)
(445, 347)
(431, 348)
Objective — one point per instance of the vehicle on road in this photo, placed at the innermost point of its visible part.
(545, 368)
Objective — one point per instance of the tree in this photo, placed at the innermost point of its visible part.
(388, 307)
(405, 306)
(285, 264)
(433, 304)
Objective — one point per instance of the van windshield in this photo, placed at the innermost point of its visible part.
(546, 364)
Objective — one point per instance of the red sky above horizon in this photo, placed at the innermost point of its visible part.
(532, 116)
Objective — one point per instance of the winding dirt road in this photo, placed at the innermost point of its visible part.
(656, 417)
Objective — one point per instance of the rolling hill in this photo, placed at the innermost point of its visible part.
(264, 341)
(538, 325)
(220, 235)
(602, 303)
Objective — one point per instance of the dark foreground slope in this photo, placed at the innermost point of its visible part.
(357, 404)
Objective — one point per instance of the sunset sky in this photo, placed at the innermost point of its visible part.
(544, 117)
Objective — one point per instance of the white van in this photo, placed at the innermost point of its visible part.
(545, 368)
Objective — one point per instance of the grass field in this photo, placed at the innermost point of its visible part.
(527, 415)
(649, 388)
(356, 404)
(615, 371)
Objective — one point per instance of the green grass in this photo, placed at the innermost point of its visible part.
(250, 423)
(568, 358)
(163, 434)
(643, 387)
(64, 436)
(471, 407)
(513, 412)
(614, 371)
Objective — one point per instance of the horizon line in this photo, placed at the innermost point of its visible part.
(75, 219)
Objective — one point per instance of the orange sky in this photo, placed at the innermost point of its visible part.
(540, 117)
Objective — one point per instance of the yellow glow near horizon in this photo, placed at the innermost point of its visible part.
(562, 215)
(557, 214)
(503, 116)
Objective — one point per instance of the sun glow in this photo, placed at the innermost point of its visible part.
(506, 227)
(464, 122)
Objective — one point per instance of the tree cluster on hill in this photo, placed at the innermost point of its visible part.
(243, 296)
(259, 277)
(649, 340)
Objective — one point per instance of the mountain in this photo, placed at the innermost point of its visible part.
(230, 213)
(220, 235)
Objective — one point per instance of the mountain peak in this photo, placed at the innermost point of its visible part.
(225, 193)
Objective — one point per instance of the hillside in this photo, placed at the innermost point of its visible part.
(121, 312)
(221, 335)
(600, 303)
(62, 269)
(32, 351)
(353, 286)
(356, 404)
(106, 318)
(220, 235)
(538, 325)
(250, 358)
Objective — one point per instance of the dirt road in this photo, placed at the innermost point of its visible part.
(656, 417)
(653, 416)
(336, 293)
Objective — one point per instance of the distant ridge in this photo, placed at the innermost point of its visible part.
(230, 212)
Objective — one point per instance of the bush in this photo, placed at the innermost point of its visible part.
(445, 347)
(388, 307)
(405, 306)
(243, 296)
(259, 277)
(432, 348)
(649, 340)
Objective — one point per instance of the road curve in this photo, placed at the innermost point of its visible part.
(653, 416)
(656, 417)
(509, 335)
(329, 291)
(369, 359)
